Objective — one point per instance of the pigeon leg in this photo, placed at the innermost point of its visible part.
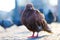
(37, 35)
(32, 35)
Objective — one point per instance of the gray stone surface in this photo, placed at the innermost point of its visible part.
(21, 33)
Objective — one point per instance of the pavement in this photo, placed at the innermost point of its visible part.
(22, 33)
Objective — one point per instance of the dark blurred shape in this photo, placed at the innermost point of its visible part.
(6, 23)
(0, 22)
(41, 10)
(17, 21)
(56, 19)
(50, 17)
(16, 15)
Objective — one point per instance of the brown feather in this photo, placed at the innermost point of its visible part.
(33, 19)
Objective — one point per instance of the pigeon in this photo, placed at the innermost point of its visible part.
(34, 20)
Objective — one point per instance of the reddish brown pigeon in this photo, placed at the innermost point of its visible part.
(34, 20)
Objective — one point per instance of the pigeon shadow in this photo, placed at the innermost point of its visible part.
(37, 38)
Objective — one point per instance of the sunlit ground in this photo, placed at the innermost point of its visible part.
(22, 33)
(7, 5)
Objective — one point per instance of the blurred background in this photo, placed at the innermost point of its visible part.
(11, 10)
(10, 18)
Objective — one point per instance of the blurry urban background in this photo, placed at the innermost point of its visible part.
(10, 18)
(11, 10)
